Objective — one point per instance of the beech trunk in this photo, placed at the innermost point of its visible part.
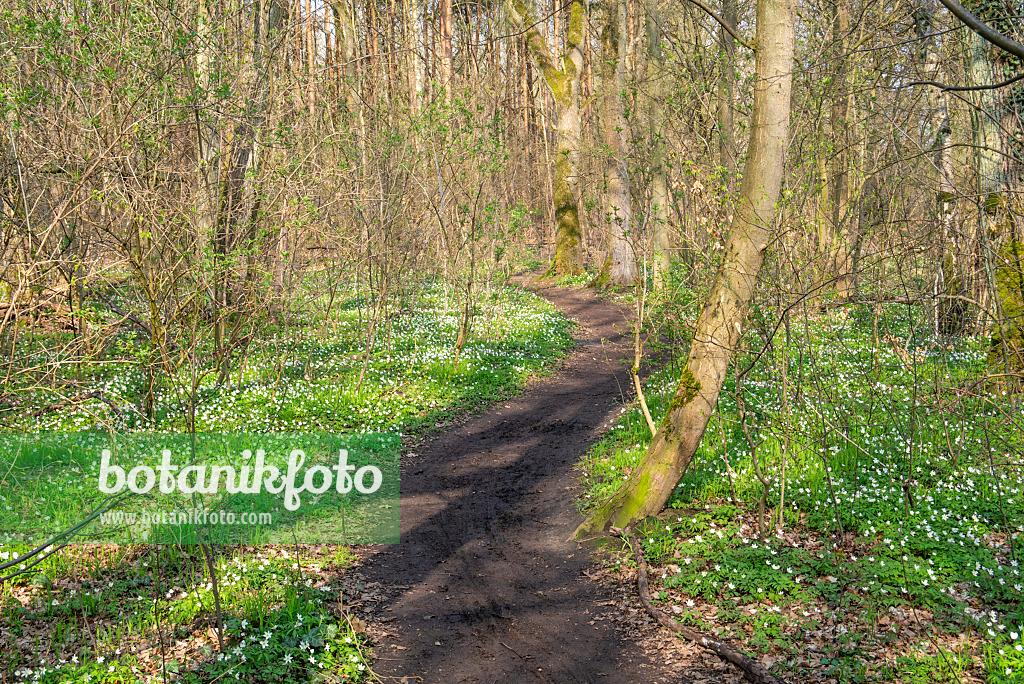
(720, 327)
(620, 265)
(563, 80)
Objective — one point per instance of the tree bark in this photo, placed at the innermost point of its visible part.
(948, 314)
(564, 83)
(720, 327)
(844, 114)
(660, 198)
(446, 50)
(1002, 250)
(727, 88)
(415, 61)
(620, 265)
(207, 148)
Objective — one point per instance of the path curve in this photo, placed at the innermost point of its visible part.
(485, 585)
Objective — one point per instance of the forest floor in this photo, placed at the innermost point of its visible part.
(486, 585)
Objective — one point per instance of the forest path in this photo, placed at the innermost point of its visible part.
(486, 585)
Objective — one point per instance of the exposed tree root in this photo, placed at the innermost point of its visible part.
(752, 670)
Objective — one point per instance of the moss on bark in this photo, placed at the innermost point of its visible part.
(568, 260)
(1008, 334)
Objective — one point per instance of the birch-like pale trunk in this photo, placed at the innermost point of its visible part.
(445, 11)
(720, 326)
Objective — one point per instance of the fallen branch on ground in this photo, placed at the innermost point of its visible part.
(97, 394)
(752, 670)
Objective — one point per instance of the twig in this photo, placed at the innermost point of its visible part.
(515, 651)
(752, 670)
(638, 353)
(97, 394)
(960, 89)
(725, 25)
(1004, 42)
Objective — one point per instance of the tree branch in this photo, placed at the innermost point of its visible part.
(732, 32)
(982, 29)
(946, 88)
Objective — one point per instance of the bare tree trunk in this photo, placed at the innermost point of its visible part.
(415, 63)
(207, 148)
(208, 175)
(310, 58)
(1001, 249)
(720, 327)
(564, 83)
(727, 88)
(660, 198)
(947, 316)
(846, 183)
(985, 125)
(246, 134)
(620, 265)
(446, 49)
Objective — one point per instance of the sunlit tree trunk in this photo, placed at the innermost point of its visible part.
(1003, 252)
(310, 58)
(720, 327)
(947, 315)
(415, 65)
(660, 198)
(620, 265)
(844, 177)
(827, 140)
(985, 125)
(249, 129)
(563, 80)
(446, 49)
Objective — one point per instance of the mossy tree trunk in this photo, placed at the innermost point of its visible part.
(1008, 334)
(563, 80)
(720, 327)
(620, 266)
(994, 225)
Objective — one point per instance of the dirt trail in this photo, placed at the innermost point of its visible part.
(485, 568)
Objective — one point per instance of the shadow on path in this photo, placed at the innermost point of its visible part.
(485, 567)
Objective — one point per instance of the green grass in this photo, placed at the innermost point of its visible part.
(107, 613)
(306, 377)
(900, 519)
(114, 616)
